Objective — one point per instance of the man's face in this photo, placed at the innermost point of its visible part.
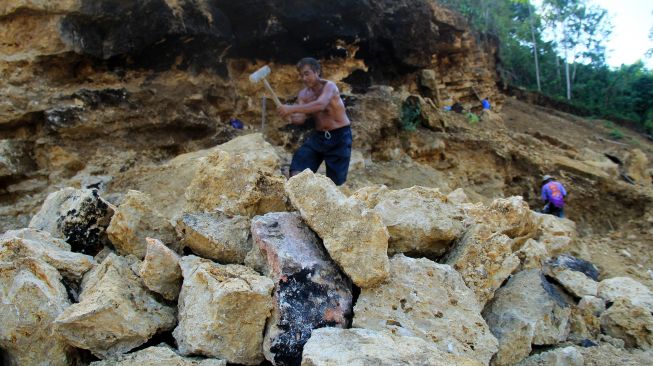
(309, 77)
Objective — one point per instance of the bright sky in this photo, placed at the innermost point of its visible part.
(631, 23)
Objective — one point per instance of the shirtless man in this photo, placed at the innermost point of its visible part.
(331, 142)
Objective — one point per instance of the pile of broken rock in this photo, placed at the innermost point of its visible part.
(247, 267)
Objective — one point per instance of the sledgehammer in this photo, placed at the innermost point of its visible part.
(261, 74)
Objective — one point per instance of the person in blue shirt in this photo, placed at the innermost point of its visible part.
(553, 195)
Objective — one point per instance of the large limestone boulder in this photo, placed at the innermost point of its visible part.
(354, 236)
(31, 297)
(235, 185)
(576, 275)
(509, 216)
(629, 321)
(527, 311)
(567, 356)
(161, 355)
(216, 236)
(428, 300)
(420, 221)
(333, 346)
(31, 243)
(532, 255)
(484, 259)
(557, 234)
(310, 290)
(134, 220)
(222, 311)
(115, 313)
(79, 216)
(584, 320)
(370, 195)
(638, 294)
(160, 270)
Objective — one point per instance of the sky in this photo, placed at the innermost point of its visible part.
(632, 21)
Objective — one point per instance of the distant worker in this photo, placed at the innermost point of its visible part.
(485, 103)
(553, 195)
(331, 142)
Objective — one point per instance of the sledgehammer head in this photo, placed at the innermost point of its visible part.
(260, 74)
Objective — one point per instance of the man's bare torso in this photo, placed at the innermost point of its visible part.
(333, 116)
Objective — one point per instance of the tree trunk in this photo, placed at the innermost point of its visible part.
(537, 63)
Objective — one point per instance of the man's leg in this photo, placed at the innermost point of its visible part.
(337, 159)
(305, 157)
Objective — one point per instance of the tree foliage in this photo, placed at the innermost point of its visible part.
(559, 50)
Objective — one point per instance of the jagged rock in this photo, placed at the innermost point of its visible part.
(222, 311)
(608, 354)
(630, 322)
(584, 320)
(31, 297)
(457, 197)
(115, 313)
(253, 149)
(14, 159)
(527, 310)
(532, 255)
(216, 236)
(576, 275)
(160, 270)
(592, 304)
(557, 234)
(636, 166)
(568, 356)
(612, 288)
(80, 216)
(31, 243)
(333, 346)
(484, 260)
(310, 291)
(354, 236)
(370, 195)
(134, 220)
(157, 356)
(233, 184)
(428, 300)
(510, 216)
(419, 221)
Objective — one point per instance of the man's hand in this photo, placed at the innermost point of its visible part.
(284, 111)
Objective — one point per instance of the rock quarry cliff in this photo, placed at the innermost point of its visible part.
(140, 227)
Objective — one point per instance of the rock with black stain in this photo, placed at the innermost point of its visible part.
(576, 275)
(310, 290)
(79, 216)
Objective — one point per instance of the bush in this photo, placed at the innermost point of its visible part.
(472, 118)
(616, 134)
(410, 115)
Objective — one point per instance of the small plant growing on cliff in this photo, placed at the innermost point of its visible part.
(410, 115)
(472, 118)
(616, 134)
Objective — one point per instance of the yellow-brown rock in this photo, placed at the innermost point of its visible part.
(160, 270)
(354, 236)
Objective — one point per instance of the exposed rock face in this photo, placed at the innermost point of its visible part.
(216, 235)
(568, 356)
(527, 310)
(310, 291)
(484, 260)
(576, 275)
(14, 159)
(636, 165)
(332, 346)
(30, 243)
(354, 236)
(79, 216)
(419, 221)
(134, 220)
(555, 233)
(428, 300)
(31, 297)
(229, 183)
(157, 356)
(115, 313)
(628, 321)
(612, 288)
(160, 270)
(222, 311)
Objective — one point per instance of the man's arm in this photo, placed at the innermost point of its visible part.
(319, 104)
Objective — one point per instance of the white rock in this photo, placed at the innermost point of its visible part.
(638, 294)
(428, 300)
(630, 322)
(160, 270)
(557, 234)
(568, 356)
(222, 311)
(157, 356)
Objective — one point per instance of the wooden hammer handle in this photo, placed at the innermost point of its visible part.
(274, 95)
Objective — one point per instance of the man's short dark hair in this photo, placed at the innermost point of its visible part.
(312, 63)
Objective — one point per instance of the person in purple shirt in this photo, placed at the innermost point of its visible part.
(553, 195)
